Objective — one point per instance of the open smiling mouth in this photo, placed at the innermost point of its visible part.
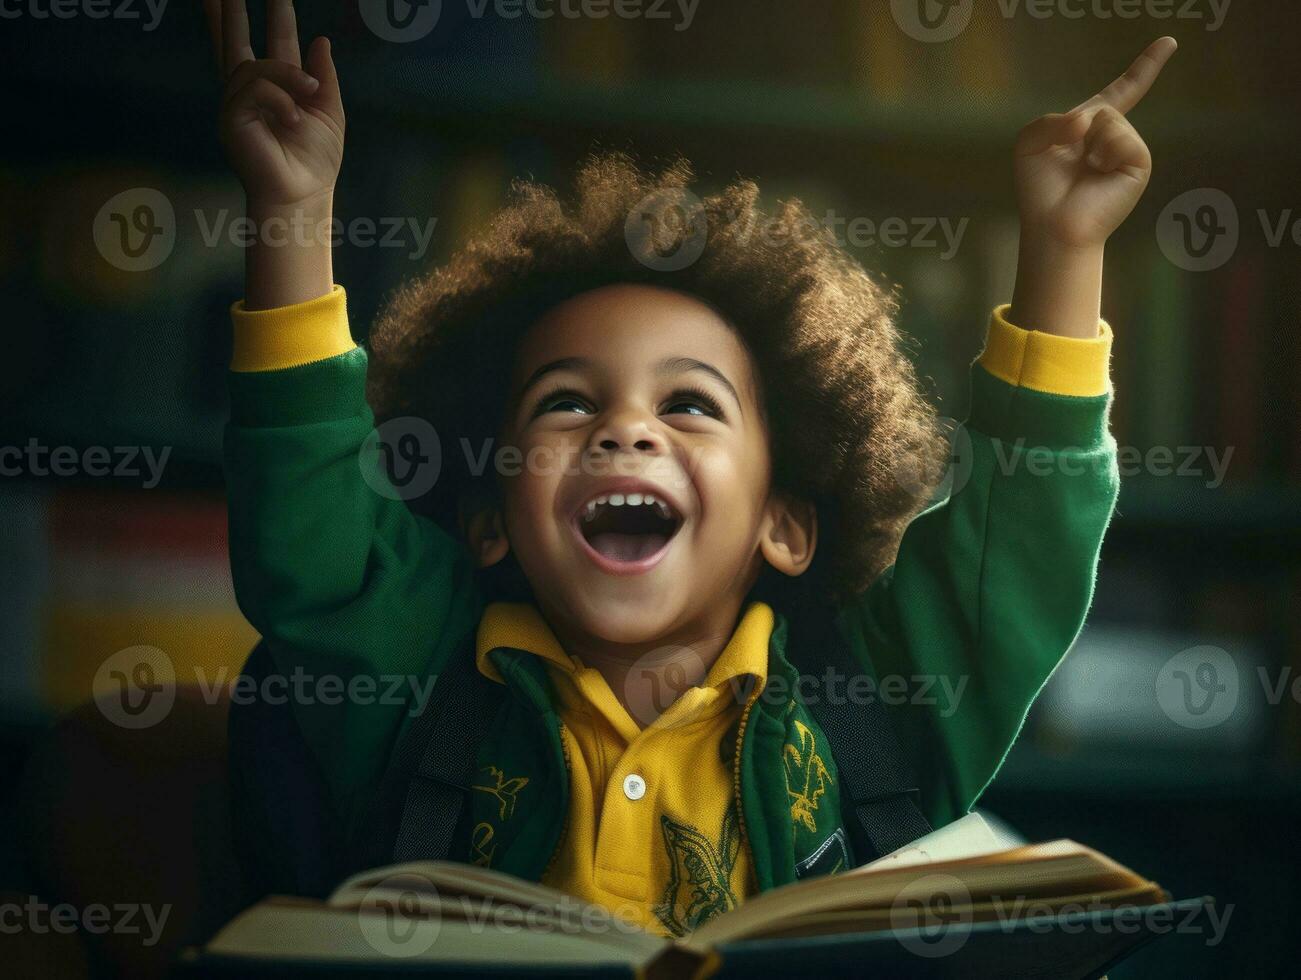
(631, 530)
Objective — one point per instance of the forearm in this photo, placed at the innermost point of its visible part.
(345, 584)
(990, 588)
(315, 529)
(288, 260)
(1058, 287)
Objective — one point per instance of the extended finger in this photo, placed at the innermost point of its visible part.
(236, 48)
(321, 65)
(212, 11)
(1055, 129)
(262, 95)
(1112, 143)
(282, 32)
(286, 76)
(1128, 90)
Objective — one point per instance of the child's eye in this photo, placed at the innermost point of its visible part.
(562, 400)
(693, 401)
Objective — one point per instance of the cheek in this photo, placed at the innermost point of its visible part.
(734, 484)
(531, 474)
(528, 500)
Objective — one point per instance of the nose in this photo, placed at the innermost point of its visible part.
(628, 428)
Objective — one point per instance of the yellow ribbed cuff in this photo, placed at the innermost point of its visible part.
(1046, 362)
(287, 336)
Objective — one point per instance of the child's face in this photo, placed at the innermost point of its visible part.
(635, 390)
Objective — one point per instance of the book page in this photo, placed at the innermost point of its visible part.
(967, 836)
(451, 877)
(1033, 871)
(449, 890)
(298, 931)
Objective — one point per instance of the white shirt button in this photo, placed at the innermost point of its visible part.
(634, 787)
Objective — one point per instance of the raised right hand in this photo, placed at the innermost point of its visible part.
(282, 127)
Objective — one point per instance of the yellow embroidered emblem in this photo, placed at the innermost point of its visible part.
(479, 841)
(504, 791)
(806, 776)
(700, 873)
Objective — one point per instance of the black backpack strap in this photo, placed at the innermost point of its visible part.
(438, 760)
(288, 837)
(878, 792)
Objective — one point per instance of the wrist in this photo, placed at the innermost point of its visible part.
(298, 224)
(288, 258)
(318, 205)
(1058, 286)
(1045, 241)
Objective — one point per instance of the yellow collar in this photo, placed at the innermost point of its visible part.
(520, 626)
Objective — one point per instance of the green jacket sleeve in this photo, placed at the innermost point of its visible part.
(358, 600)
(991, 586)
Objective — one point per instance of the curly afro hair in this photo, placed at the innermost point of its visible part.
(850, 430)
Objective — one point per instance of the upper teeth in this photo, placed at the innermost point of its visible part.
(631, 499)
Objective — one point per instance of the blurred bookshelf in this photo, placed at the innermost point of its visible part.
(835, 105)
(830, 103)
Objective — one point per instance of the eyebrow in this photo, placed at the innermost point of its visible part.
(670, 365)
(561, 364)
(676, 365)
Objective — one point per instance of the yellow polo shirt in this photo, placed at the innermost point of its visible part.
(654, 831)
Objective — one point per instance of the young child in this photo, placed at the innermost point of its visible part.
(714, 469)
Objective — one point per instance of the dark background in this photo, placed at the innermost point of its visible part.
(831, 102)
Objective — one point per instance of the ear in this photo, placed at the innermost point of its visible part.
(790, 534)
(487, 536)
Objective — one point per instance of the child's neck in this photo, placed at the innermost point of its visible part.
(647, 677)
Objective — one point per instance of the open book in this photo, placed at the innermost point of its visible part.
(938, 914)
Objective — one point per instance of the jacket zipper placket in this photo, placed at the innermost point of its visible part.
(564, 826)
(736, 770)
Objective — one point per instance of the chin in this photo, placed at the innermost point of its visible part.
(632, 620)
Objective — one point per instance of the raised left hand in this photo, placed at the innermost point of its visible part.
(1080, 173)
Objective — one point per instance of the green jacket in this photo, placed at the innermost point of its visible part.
(989, 589)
